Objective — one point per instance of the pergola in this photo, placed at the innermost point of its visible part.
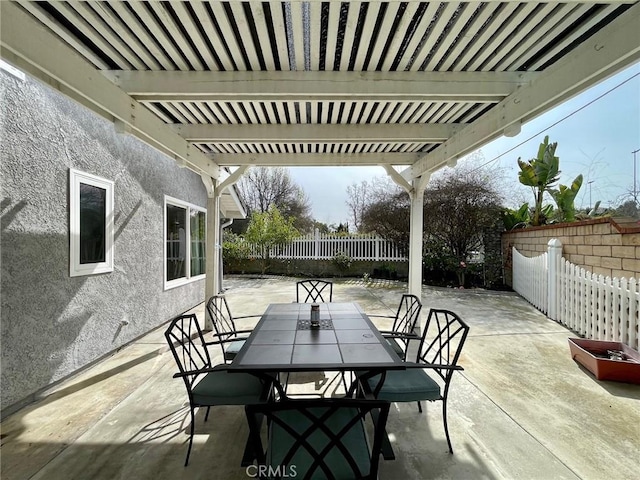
(410, 86)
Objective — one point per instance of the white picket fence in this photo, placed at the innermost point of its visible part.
(325, 247)
(530, 279)
(599, 307)
(594, 306)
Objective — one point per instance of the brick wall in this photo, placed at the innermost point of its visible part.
(606, 246)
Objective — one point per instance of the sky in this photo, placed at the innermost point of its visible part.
(596, 140)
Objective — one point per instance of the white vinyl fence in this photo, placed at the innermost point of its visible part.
(325, 247)
(594, 306)
(530, 279)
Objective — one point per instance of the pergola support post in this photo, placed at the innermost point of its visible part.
(415, 243)
(213, 262)
(416, 227)
(415, 189)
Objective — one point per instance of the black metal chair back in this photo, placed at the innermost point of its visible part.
(319, 438)
(442, 341)
(187, 344)
(223, 323)
(314, 291)
(406, 318)
(208, 386)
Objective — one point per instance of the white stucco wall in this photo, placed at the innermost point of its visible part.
(53, 324)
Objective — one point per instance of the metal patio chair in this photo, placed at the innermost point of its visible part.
(319, 438)
(438, 354)
(310, 291)
(404, 323)
(205, 386)
(225, 333)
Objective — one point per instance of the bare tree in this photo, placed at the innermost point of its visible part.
(365, 194)
(262, 187)
(357, 202)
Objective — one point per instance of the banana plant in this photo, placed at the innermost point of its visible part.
(540, 173)
(513, 219)
(564, 197)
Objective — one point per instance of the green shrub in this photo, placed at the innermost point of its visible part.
(234, 250)
(342, 261)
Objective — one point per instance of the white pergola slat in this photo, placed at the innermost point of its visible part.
(122, 59)
(57, 65)
(158, 58)
(606, 52)
(515, 60)
(48, 20)
(573, 36)
(115, 30)
(162, 40)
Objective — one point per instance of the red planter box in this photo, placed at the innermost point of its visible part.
(594, 356)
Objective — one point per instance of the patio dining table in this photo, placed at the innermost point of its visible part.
(345, 339)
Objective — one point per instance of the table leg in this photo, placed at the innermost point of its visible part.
(249, 454)
(386, 449)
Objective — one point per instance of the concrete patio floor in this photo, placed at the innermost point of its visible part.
(522, 408)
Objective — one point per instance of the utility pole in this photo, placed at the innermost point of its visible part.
(635, 189)
(590, 204)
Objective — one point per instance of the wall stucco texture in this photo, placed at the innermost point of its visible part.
(53, 324)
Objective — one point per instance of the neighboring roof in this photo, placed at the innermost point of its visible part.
(416, 84)
(231, 205)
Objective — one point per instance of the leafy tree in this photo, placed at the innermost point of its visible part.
(457, 208)
(389, 218)
(458, 204)
(267, 230)
(628, 209)
(540, 173)
(321, 227)
(341, 228)
(264, 187)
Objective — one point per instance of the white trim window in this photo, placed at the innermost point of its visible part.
(91, 224)
(184, 242)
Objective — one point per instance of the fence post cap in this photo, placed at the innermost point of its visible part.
(554, 242)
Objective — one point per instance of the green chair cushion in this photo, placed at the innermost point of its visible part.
(355, 440)
(410, 385)
(224, 388)
(231, 349)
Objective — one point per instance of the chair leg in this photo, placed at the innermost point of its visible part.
(446, 427)
(344, 382)
(419, 407)
(193, 422)
(206, 417)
